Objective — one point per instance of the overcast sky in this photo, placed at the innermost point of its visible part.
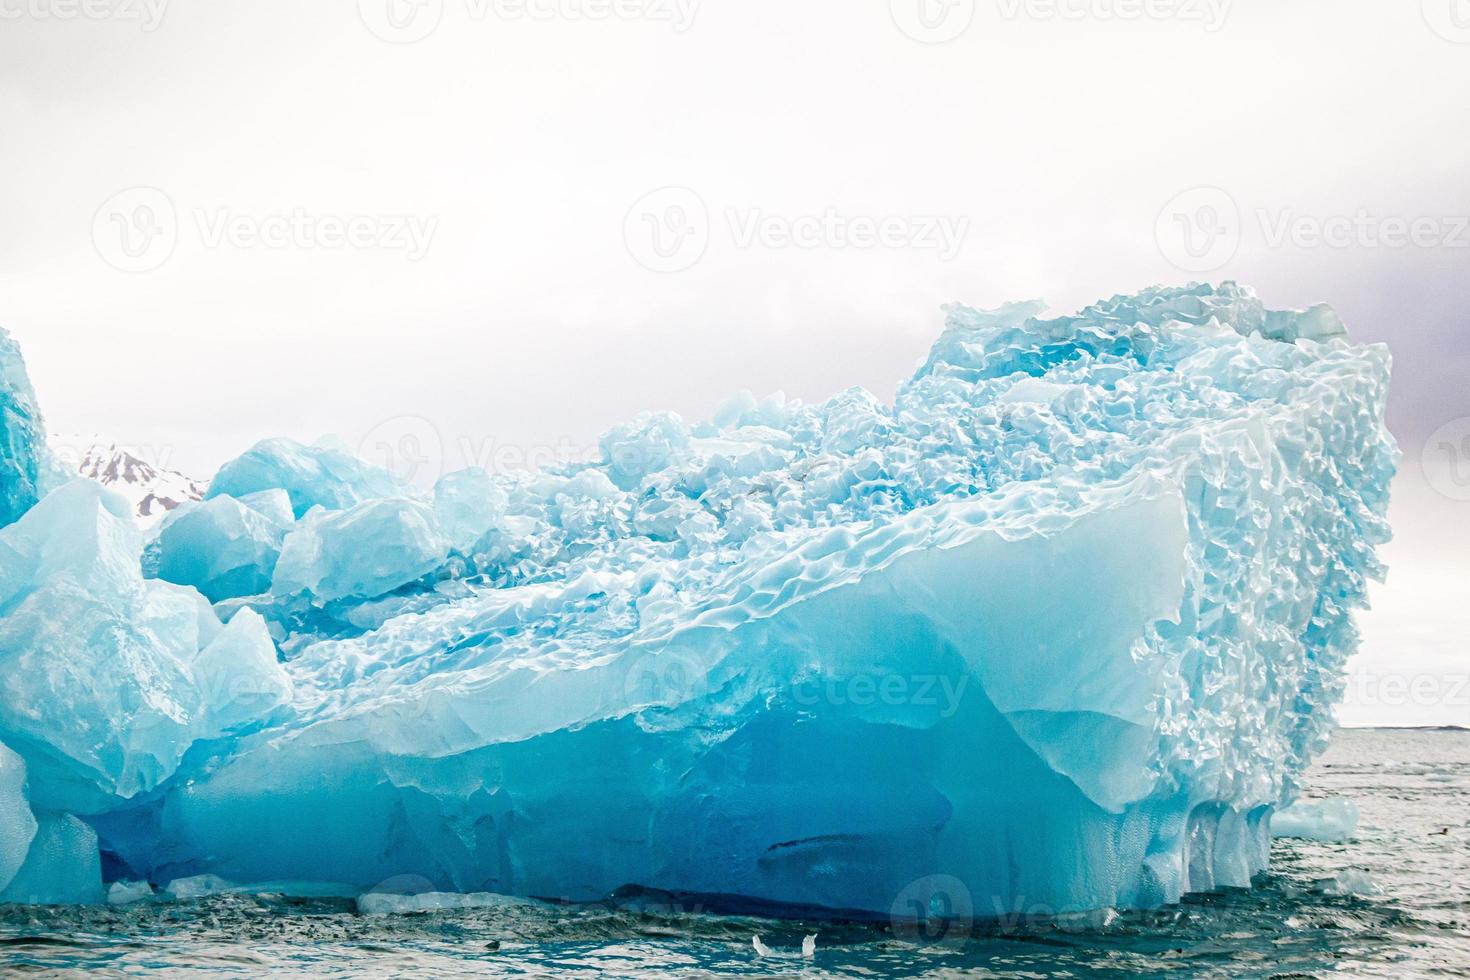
(498, 226)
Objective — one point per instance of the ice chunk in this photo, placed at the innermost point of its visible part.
(644, 446)
(197, 887)
(363, 552)
(468, 504)
(27, 470)
(389, 903)
(223, 547)
(312, 476)
(128, 892)
(1349, 881)
(63, 866)
(1330, 820)
(1086, 579)
(238, 676)
(274, 505)
(97, 665)
(17, 824)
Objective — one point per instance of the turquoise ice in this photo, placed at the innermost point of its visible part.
(1058, 628)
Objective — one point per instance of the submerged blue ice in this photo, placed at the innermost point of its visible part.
(1058, 628)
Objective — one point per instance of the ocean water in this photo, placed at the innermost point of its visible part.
(1394, 902)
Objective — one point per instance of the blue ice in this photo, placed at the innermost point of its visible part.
(1060, 627)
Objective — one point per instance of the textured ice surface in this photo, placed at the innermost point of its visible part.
(1058, 628)
(62, 867)
(17, 823)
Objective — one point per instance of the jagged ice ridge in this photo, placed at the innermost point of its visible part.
(1058, 628)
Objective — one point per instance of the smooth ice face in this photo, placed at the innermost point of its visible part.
(224, 547)
(363, 552)
(1086, 580)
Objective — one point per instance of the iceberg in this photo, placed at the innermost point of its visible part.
(1057, 629)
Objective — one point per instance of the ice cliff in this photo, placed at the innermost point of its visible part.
(1058, 628)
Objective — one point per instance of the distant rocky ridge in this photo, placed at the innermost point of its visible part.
(151, 490)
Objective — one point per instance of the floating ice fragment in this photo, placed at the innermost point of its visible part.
(128, 892)
(388, 903)
(1329, 820)
(197, 886)
(1349, 881)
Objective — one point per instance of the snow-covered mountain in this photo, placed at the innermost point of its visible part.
(152, 491)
